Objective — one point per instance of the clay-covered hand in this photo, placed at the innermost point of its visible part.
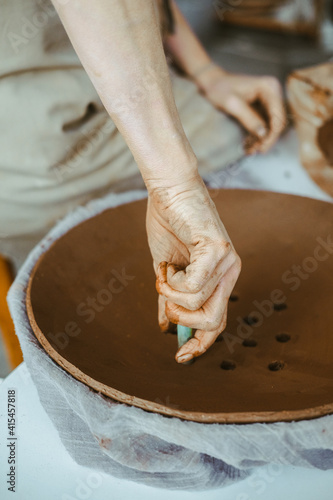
(235, 94)
(195, 262)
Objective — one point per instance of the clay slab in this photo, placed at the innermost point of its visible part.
(275, 361)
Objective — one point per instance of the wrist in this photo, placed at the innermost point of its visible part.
(206, 77)
(192, 190)
(171, 177)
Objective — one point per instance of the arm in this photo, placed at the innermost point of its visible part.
(186, 50)
(120, 46)
(233, 94)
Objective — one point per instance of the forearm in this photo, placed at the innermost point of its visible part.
(187, 51)
(120, 47)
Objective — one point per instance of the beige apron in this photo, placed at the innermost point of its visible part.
(58, 146)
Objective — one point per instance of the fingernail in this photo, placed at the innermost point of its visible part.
(184, 358)
(261, 131)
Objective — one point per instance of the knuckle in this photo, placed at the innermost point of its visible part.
(193, 286)
(232, 103)
(194, 343)
(233, 258)
(195, 302)
(272, 82)
(236, 261)
(162, 288)
(158, 286)
(201, 349)
(171, 312)
(222, 325)
(222, 249)
(170, 307)
(212, 324)
(161, 267)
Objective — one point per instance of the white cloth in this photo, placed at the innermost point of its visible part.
(131, 443)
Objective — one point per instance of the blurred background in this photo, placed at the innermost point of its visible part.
(263, 36)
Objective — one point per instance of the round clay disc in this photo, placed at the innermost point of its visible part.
(92, 304)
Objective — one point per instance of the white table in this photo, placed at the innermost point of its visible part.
(45, 471)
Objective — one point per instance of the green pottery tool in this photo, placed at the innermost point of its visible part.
(184, 333)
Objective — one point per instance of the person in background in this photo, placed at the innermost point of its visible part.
(111, 116)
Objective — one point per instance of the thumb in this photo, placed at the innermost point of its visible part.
(247, 116)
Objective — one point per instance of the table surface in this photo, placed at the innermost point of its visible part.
(44, 469)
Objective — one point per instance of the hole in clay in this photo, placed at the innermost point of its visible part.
(250, 320)
(249, 343)
(228, 365)
(233, 297)
(280, 306)
(275, 366)
(283, 337)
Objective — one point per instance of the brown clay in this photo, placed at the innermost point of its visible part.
(278, 368)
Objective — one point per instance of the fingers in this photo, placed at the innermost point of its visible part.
(246, 115)
(204, 337)
(201, 342)
(209, 316)
(268, 91)
(204, 259)
(191, 301)
(270, 94)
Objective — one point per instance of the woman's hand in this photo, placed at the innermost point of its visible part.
(235, 94)
(195, 262)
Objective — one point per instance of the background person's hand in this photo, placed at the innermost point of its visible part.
(195, 262)
(235, 94)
